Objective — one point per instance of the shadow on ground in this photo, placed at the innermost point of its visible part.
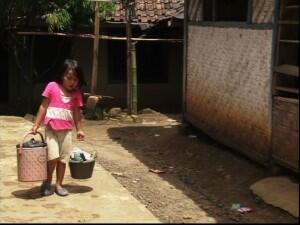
(212, 171)
(34, 193)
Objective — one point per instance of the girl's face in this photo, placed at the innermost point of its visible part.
(70, 80)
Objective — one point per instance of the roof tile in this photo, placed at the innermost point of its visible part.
(150, 10)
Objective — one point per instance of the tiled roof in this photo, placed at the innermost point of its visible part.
(149, 11)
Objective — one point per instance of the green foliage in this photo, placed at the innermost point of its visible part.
(106, 8)
(59, 19)
(59, 15)
(75, 12)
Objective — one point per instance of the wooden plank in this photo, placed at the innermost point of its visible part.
(288, 69)
(86, 94)
(287, 89)
(105, 37)
(286, 99)
(287, 22)
(285, 163)
(292, 7)
(290, 41)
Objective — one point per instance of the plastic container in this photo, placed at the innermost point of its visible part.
(81, 169)
(32, 159)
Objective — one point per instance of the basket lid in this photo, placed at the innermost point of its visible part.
(32, 143)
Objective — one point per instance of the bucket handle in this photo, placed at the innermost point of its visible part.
(30, 133)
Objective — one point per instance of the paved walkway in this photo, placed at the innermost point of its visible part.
(100, 199)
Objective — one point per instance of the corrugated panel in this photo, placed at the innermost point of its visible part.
(228, 86)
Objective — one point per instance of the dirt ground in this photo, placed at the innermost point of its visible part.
(201, 179)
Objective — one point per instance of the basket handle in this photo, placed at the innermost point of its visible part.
(30, 133)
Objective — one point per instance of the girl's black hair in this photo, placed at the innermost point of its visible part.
(74, 65)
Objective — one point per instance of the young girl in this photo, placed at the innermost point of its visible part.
(60, 107)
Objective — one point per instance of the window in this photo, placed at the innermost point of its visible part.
(225, 10)
(117, 61)
(152, 62)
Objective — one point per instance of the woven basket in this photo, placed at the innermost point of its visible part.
(32, 162)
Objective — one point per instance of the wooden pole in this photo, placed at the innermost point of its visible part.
(95, 50)
(214, 12)
(129, 44)
(104, 37)
(134, 79)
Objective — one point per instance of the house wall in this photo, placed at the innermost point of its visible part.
(165, 97)
(228, 82)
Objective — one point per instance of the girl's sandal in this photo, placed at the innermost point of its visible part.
(45, 189)
(61, 191)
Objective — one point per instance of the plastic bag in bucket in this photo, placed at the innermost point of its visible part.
(81, 164)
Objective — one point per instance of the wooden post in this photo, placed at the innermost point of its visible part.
(134, 79)
(95, 50)
(214, 12)
(129, 44)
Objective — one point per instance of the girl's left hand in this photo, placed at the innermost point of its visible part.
(80, 135)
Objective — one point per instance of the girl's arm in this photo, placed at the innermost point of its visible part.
(41, 114)
(78, 126)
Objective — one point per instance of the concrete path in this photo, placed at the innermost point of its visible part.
(100, 199)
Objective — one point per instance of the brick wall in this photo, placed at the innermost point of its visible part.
(228, 86)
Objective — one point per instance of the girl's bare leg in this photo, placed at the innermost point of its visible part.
(46, 185)
(60, 173)
(50, 168)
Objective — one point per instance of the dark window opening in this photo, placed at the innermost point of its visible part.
(225, 10)
(116, 61)
(152, 62)
(4, 76)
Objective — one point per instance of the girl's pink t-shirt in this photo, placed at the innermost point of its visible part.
(59, 114)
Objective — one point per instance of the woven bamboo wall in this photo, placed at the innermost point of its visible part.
(263, 11)
(228, 86)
